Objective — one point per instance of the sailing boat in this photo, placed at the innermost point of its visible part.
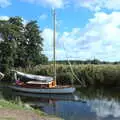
(41, 84)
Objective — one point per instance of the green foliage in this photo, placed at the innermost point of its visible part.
(20, 45)
(34, 43)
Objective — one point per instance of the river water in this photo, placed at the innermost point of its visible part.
(85, 104)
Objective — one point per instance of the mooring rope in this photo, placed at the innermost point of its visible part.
(72, 71)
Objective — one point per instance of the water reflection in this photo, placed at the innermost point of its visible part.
(105, 108)
(104, 103)
(85, 104)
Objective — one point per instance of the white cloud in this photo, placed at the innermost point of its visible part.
(4, 3)
(47, 34)
(43, 17)
(99, 38)
(50, 3)
(97, 5)
(4, 18)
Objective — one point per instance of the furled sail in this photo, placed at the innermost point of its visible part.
(34, 77)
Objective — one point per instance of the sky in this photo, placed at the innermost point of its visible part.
(85, 29)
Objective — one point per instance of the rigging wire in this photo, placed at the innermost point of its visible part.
(72, 71)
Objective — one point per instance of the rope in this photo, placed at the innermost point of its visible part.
(81, 82)
(73, 73)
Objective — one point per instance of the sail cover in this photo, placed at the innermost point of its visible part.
(34, 77)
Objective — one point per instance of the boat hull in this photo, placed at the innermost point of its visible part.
(62, 90)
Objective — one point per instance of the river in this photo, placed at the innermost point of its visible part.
(84, 104)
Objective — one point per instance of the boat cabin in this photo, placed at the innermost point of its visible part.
(41, 84)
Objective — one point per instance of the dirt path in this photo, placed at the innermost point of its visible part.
(10, 114)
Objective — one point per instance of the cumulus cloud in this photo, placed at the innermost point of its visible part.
(4, 18)
(47, 34)
(4, 3)
(99, 38)
(43, 17)
(101, 35)
(97, 5)
(50, 3)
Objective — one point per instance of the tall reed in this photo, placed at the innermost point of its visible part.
(91, 75)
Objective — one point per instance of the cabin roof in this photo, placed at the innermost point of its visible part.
(35, 77)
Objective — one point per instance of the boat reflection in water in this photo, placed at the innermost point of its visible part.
(40, 100)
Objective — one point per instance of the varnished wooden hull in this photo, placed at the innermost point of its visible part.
(56, 90)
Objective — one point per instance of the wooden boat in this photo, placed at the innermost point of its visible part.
(53, 90)
(38, 84)
(41, 84)
(45, 90)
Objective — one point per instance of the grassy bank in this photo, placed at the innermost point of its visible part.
(13, 111)
(92, 75)
(18, 106)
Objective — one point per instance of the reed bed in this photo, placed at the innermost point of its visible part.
(90, 75)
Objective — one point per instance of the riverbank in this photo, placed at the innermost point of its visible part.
(12, 111)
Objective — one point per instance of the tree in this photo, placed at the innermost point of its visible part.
(7, 35)
(20, 41)
(34, 42)
(20, 45)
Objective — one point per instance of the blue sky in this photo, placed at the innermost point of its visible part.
(86, 29)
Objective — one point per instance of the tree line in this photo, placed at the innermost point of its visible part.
(94, 61)
(21, 44)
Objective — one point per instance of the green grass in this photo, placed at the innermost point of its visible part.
(7, 118)
(11, 105)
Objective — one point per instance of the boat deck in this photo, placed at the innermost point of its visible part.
(40, 87)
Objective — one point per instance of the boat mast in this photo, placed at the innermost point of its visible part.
(54, 44)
